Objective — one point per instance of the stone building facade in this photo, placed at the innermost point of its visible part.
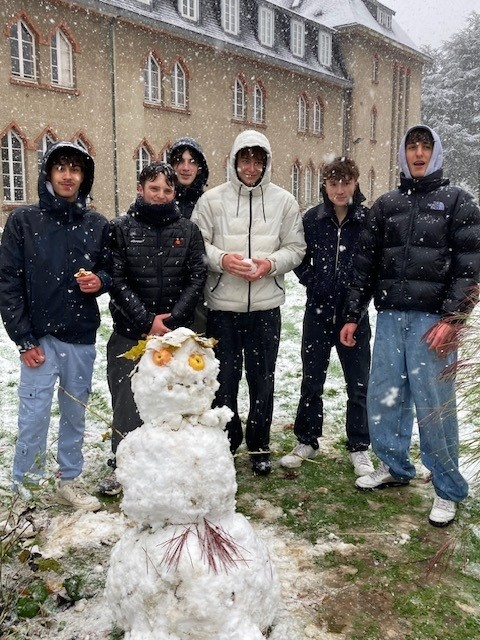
(125, 78)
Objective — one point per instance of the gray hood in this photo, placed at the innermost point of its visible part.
(436, 161)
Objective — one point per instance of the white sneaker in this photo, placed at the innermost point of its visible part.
(72, 494)
(379, 479)
(300, 453)
(362, 465)
(442, 513)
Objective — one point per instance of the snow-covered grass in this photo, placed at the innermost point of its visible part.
(326, 539)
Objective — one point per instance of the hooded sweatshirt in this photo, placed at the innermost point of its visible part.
(262, 221)
(43, 246)
(420, 248)
(186, 197)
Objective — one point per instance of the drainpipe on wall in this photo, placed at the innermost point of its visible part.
(347, 121)
(114, 115)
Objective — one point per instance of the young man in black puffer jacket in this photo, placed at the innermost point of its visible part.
(332, 229)
(159, 271)
(419, 258)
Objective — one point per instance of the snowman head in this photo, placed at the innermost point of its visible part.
(176, 376)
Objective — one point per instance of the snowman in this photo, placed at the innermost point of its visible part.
(189, 567)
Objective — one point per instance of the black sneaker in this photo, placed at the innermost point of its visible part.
(261, 464)
(109, 486)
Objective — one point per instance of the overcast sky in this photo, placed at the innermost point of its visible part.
(430, 22)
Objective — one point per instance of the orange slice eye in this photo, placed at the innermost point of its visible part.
(196, 361)
(161, 357)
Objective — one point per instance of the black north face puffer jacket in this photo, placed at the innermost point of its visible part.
(159, 266)
(420, 250)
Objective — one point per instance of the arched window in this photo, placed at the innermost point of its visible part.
(13, 168)
(178, 87)
(302, 114)
(318, 117)
(61, 59)
(307, 182)
(152, 80)
(143, 159)
(44, 144)
(239, 102)
(22, 51)
(258, 104)
(295, 176)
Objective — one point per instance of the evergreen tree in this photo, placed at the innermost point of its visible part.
(451, 103)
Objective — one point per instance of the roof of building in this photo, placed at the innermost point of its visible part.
(331, 15)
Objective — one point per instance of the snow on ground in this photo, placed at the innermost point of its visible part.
(94, 534)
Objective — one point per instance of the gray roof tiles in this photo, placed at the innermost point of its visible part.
(332, 14)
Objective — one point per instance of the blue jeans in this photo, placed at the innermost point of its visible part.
(406, 374)
(72, 365)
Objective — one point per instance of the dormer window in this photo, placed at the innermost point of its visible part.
(231, 16)
(325, 48)
(384, 18)
(188, 9)
(266, 26)
(297, 38)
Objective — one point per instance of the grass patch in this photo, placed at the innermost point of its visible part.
(396, 575)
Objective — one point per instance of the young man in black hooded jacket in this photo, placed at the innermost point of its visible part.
(419, 258)
(159, 271)
(54, 262)
(332, 229)
(190, 164)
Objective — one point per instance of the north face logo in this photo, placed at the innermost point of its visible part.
(436, 206)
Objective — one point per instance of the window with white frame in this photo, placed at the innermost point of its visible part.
(258, 104)
(384, 18)
(297, 38)
(307, 182)
(178, 84)
(266, 26)
(325, 48)
(373, 124)
(231, 16)
(61, 60)
(44, 144)
(302, 114)
(188, 9)
(152, 79)
(13, 168)
(239, 102)
(22, 51)
(317, 125)
(143, 159)
(295, 176)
